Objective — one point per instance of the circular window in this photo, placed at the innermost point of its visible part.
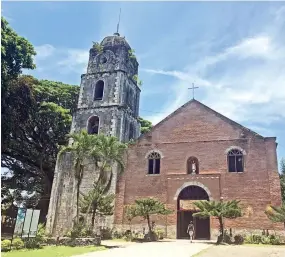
(103, 59)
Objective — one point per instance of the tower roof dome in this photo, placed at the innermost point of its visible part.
(115, 40)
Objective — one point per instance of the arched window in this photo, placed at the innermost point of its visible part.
(192, 165)
(154, 163)
(235, 160)
(99, 89)
(93, 125)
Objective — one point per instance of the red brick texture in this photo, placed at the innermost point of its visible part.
(196, 130)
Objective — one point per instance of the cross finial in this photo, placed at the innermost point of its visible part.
(193, 88)
(118, 25)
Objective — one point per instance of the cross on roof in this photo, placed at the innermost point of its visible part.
(193, 88)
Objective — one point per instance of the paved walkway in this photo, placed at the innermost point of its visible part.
(166, 248)
(244, 250)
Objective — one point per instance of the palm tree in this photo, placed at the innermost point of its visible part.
(96, 203)
(108, 151)
(220, 210)
(81, 148)
(276, 214)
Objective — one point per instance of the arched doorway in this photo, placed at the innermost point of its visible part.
(185, 210)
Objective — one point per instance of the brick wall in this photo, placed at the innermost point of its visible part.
(195, 130)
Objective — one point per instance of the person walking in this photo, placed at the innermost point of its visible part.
(190, 230)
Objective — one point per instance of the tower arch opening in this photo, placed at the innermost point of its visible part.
(99, 90)
(93, 125)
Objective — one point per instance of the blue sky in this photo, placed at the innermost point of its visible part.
(233, 51)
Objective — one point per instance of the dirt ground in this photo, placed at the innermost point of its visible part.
(243, 251)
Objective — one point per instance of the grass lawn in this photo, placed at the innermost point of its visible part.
(53, 251)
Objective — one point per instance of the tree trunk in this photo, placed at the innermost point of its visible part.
(148, 223)
(77, 202)
(221, 227)
(93, 217)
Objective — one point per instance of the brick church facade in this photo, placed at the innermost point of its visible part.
(193, 154)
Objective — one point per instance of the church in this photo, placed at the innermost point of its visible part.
(195, 153)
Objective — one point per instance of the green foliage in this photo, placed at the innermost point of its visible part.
(37, 241)
(263, 239)
(131, 54)
(137, 80)
(31, 149)
(17, 53)
(145, 125)
(238, 239)
(276, 214)
(105, 151)
(220, 210)
(160, 233)
(106, 233)
(145, 207)
(5, 245)
(81, 148)
(98, 47)
(227, 209)
(95, 202)
(18, 243)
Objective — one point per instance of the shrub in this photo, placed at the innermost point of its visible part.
(160, 233)
(18, 243)
(275, 240)
(117, 234)
(5, 245)
(106, 233)
(265, 240)
(238, 239)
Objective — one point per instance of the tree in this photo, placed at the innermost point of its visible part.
(108, 151)
(276, 214)
(145, 125)
(130, 213)
(81, 149)
(220, 210)
(146, 207)
(31, 148)
(95, 202)
(17, 54)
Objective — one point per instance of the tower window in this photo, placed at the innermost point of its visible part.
(93, 125)
(99, 90)
(154, 163)
(235, 161)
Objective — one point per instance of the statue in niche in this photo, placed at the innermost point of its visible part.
(193, 167)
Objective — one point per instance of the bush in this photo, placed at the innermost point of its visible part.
(117, 234)
(5, 245)
(106, 233)
(238, 239)
(275, 240)
(18, 243)
(160, 233)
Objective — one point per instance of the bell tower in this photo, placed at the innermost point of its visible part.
(109, 92)
(108, 103)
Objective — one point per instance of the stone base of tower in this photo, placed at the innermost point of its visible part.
(62, 208)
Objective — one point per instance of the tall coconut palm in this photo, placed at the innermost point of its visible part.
(81, 148)
(108, 151)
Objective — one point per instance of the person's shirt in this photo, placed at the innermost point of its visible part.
(190, 227)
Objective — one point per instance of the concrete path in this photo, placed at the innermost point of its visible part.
(166, 248)
(244, 250)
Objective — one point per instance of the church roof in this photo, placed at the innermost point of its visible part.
(207, 108)
(115, 40)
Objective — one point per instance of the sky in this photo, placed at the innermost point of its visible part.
(233, 51)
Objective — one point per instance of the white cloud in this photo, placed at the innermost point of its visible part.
(44, 51)
(61, 59)
(250, 85)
